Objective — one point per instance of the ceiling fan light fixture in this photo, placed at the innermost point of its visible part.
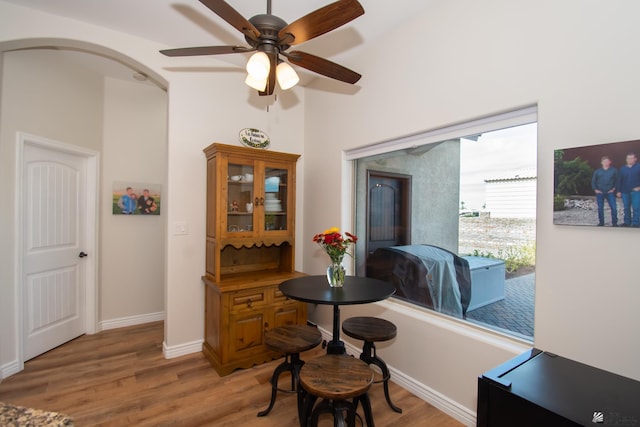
(269, 36)
(286, 75)
(259, 66)
(258, 84)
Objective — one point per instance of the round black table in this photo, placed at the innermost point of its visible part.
(356, 290)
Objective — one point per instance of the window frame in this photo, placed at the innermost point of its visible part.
(517, 117)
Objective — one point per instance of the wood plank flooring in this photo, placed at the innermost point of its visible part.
(120, 378)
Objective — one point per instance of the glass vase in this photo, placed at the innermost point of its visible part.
(335, 274)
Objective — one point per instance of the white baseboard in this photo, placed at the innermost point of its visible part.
(424, 392)
(130, 321)
(181, 349)
(168, 352)
(9, 369)
(429, 395)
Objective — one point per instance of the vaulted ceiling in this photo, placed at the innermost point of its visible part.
(183, 23)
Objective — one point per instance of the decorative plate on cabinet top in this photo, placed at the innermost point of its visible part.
(254, 138)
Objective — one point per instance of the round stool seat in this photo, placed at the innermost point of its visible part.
(342, 382)
(290, 340)
(336, 377)
(372, 329)
(293, 338)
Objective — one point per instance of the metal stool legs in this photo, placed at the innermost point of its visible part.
(309, 415)
(369, 356)
(292, 363)
(366, 407)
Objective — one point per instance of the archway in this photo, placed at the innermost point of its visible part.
(11, 318)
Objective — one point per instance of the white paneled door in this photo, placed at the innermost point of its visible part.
(53, 294)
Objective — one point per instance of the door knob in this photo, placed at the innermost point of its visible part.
(82, 254)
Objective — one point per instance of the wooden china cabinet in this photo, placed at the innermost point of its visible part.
(250, 251)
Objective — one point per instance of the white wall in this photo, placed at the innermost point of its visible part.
(473, 58)
(132, 247)
(43, 95)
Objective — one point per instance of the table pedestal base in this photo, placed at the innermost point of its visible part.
(334, 347)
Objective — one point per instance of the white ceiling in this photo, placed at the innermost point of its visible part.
(184, 23)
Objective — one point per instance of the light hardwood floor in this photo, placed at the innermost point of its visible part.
(120, 378)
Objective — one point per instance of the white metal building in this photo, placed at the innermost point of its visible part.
(512, 196)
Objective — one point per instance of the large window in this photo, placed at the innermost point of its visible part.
(451, 222)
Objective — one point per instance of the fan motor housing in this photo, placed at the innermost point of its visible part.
(269, 27)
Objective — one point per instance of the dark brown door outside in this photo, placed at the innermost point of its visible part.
(388, 210)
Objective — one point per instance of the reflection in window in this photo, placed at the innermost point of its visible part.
(452, 225)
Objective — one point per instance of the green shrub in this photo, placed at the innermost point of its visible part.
(558, 203)
(483, 254)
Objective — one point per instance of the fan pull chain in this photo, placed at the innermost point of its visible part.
(275, 99)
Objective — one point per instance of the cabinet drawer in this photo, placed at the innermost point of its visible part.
(248, 299)
(286, 315)
(280, 298)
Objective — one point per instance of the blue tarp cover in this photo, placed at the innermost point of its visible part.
(441, 278)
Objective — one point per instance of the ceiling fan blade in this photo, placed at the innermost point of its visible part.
(320, 21)
(229, 14)
(271, 81)
(206, 50)
(322, 66)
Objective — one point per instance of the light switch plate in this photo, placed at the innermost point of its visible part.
(180, 228)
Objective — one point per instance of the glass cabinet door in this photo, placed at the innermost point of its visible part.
(275, 198)
(240, 198)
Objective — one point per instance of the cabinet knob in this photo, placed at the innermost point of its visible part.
(257, 202)
(249, 302)
(262, 201)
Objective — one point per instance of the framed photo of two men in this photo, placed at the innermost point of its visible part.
(131, 198)
(597, 185)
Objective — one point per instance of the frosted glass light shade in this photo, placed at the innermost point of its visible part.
(257, 84)
(286, 75)
(259, 65)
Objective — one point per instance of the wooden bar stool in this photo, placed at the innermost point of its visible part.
(336, 379)
(290, 340)
(372, 330)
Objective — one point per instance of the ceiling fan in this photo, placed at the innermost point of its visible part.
(270, 36)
